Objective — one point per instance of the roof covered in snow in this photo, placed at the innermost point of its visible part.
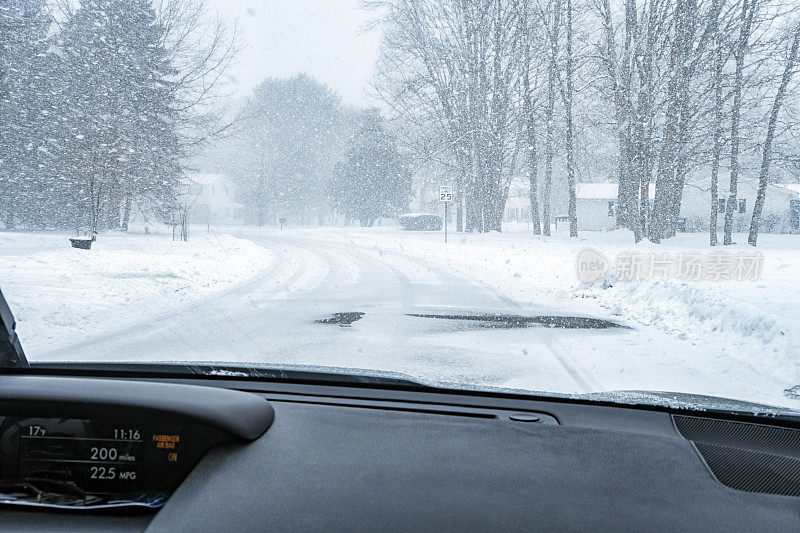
(746, 186)
(794, 187)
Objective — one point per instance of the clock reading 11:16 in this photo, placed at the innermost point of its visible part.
(127, 434)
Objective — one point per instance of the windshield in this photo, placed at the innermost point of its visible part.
(566, 197)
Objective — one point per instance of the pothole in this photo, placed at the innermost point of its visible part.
(492, 321)
(341, 319)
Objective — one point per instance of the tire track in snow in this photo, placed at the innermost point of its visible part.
(581, 378)
(280, 275)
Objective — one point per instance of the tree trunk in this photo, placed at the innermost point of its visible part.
(763, 177)
(530, 128)
(688, 43)
(459, 201)
(533, 193)
(549, 118)
(748, 9)
(10, 215)
(126, 215)
(660, 225)
(572, 207)
(548, 153)
(719, 63)
(629, 175)
(113, 213)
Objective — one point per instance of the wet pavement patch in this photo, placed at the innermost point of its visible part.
(492, 321)
(341, 319)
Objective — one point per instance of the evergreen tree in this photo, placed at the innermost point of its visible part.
(120, 138)
(374, 181)
(25, 110)
(291, 136)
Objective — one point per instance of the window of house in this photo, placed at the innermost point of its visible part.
(611, 209)
(720, 205)
(742, 205)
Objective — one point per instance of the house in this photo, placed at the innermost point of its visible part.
(793, 195)
(210, 197)
(595, 202)
(597, 209)
(596, 205)
(518, 204)
(781, 212)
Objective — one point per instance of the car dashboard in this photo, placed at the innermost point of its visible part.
(100, 453)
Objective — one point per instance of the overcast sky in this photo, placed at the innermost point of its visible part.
(324, 38)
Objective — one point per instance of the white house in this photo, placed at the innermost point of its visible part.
(211, 199)
(595, 202)
(781, 211)
(793, 195)
(596, 205)
(597, 209)
(518, 204)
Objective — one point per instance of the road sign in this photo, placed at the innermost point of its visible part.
(446, 196)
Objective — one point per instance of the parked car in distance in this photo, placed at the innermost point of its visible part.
(420, 222)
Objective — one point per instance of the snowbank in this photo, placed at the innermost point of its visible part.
(59, 294)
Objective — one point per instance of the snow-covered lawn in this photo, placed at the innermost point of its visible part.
(60, 295)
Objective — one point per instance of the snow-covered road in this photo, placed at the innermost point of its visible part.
(273, 319)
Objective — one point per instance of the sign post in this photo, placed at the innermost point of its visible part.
(445, 196)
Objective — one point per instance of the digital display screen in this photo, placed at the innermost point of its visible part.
(76, 462)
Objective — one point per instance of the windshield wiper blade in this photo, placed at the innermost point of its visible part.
(11, 354)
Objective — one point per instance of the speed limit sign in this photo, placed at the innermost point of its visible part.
(445, 193)
(445, 196)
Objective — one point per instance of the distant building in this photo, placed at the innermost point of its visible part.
(211, 199)
(518, 204)
(596, 205)
(781, 211)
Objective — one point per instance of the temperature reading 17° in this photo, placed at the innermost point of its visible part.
(36, 431)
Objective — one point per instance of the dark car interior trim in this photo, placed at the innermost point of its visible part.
(355, 456)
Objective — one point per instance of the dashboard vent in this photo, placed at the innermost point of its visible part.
(745, 456)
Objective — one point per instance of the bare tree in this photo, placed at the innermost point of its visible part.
(763, 177)
(454, 64)
(567, 95)
(551, 21)
(529, 112)
(719, 59)
(746, 16)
